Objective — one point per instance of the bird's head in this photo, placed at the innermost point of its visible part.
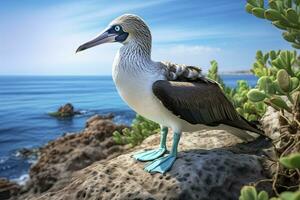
(125, 29)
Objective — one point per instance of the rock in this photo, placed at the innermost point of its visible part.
(66, 110)
(209, 166)
(72, 152)
(8, 189)
(96, 118)
(197, 174)
(270, 123)
(28, 153)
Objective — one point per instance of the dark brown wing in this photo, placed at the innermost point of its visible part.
(199, 102)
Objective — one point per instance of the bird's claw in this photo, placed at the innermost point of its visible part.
(161, 165)
(150, 155)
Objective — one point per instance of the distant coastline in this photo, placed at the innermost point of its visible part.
(238, 72)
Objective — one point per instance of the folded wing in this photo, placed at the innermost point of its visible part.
(199, 102)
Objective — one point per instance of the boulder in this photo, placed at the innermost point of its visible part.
(72, 152)
(66, 110)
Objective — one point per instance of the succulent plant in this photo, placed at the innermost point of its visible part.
(283, 14)
(278, 86)
(292, 161)
(238, 95)
(250, 193)
(278, 81)
(140, 129)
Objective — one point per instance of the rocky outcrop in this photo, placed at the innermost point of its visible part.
(72, 152)
(212, 164)
(197, 174)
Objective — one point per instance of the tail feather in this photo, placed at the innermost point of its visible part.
(245, 125)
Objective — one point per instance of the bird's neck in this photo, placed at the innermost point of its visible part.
(135, 56)
(137, 48)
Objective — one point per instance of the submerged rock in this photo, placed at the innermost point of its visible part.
(28, 153)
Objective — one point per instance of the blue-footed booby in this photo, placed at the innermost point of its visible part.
(175, 96)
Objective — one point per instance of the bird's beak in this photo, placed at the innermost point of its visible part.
(104, 37)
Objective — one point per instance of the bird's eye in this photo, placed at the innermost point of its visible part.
(117, 28)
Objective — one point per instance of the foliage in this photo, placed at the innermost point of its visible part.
(250, 193)
(249, 110)
(291, 162)
(278, 86)
(140, 129)
(284, 14)
(238, 96)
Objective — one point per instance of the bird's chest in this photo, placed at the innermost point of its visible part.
(134, 88)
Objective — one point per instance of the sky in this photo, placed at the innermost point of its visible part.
(40, 37)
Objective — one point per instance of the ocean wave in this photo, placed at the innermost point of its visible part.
(22, 179)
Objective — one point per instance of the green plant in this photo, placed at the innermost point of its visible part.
(238, 96)
(140, 129)
(250, 193)
(278, 86)
(284, 14)
(249, 110)
(292, 161)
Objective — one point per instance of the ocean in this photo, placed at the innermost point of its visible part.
(25, 102)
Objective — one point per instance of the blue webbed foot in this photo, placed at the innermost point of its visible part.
(161, 165)
(150, 155)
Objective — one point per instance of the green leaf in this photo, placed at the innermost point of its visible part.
(273, 15)
(285, 161)
(296, 46)
(249, 193)
(283, 79)
(265, 83)
(272, 4)
(255, 95)
(292, 15)
(279, 25)
(249, 8)
(292, 161)
(279, 102)
(289, 36)
(295, 160)
(294, 83)
(259, 12)
(273, 55)
(261, 3)
(259, 55)
(287, 196)
(263, 195)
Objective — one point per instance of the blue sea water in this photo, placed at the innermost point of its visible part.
(25, 102)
